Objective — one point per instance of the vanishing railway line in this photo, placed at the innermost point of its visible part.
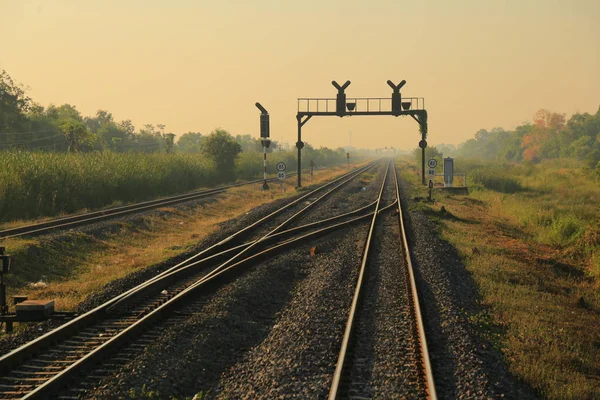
(47, 366)
(102, 215)
(411, 376)
(41, 368)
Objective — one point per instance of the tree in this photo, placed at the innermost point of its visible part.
(76, 134)
(169, 141)
(14, 103)
(430, 152)
(190, 142)
(222, 149)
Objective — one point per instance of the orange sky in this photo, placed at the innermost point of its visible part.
(198, 65)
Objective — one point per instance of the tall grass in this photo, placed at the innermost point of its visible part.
(497, 177)
(46, 184)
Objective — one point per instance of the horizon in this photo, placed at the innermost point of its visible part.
(198, 66)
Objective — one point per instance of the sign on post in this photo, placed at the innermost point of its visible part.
(281, 175)
(281, 166)
(432, 163)
(431, 172)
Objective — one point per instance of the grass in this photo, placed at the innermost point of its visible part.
(72, 268)
(37, 185)
(532, 245)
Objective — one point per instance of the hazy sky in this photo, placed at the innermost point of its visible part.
(198, 65)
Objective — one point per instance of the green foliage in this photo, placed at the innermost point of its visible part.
(495, 179)
(549, 137)
(430, 152)
(14, 103)
(250, 165)
(565, 229)
(222, 149)
(190, 142)
(46, 184)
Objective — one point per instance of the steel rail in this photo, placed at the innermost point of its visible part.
(92, 316)
(337, 375)
(161, 312)
(58, 381)
(425, 360)
(343, 180)
(95, 216)
(169, 277)
(95, 314)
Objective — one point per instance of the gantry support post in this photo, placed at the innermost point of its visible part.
(423, 165)
(421, 118)
(299, 145)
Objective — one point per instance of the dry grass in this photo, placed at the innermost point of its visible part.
(541, 293)
(74, 270)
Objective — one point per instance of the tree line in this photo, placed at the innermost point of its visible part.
(549, 136)
(27, 125)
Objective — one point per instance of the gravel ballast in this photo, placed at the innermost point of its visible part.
(275, 330)
(464, 365)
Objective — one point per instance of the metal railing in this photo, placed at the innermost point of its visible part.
(359, 104)
(459, 180)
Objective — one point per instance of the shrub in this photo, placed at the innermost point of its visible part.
(565, 229)
(495, 180)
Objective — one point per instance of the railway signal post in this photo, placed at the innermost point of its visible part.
(264, 139)
(341, 106)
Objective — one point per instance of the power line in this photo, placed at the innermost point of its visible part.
(33, 140)
(25, 133)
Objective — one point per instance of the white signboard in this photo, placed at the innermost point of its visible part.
(281, 175)
(281, 166)
(431, 172)
(432, 163)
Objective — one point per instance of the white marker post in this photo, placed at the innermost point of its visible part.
(281, 173)
(431, 163)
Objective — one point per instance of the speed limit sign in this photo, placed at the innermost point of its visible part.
(281, 166)
(432, 163)
(281, 175)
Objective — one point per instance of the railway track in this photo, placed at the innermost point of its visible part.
(97, 216)
(385, 300)
(43, 367)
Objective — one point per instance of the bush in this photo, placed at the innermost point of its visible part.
(495, 180)
(565, 229)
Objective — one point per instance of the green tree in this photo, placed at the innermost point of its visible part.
(76, 134)
(430, 152)
(14, 104)
(169, 141)
(222, 149)
(190, 142)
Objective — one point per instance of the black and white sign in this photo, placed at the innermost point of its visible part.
(281, 175)
(281, 166)
(432, 163)
(431, 172)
